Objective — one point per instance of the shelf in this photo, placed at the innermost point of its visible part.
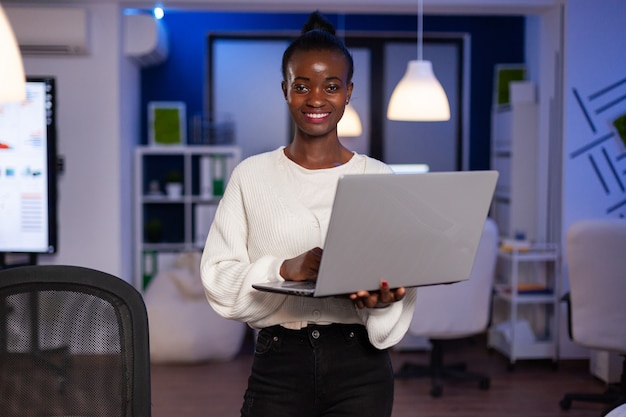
(536, 253)
(533, 271)
(503, 291)
(519, 350)
(166, 224)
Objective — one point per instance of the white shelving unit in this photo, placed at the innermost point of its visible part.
(165, 224)
(525, 308)
(514, 154)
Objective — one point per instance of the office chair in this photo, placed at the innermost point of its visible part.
(455, 311)
(73, 341)
(596, 262)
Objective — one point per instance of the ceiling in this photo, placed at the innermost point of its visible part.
(457, 7)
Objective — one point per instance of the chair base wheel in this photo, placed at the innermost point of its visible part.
(436, 392)
(484, 384)
(565, 404)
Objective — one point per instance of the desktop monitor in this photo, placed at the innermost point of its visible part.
(28, 222)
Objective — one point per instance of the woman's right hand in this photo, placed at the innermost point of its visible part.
(303, 267)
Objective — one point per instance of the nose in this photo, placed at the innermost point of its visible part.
(316, 97)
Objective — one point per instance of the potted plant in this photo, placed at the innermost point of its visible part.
(153, 230)
(174, 184)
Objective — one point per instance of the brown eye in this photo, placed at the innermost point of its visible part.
(299, 88)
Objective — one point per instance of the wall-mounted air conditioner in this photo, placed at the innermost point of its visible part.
(50, 30)
(145, 39)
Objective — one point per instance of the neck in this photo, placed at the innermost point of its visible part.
(317, 155)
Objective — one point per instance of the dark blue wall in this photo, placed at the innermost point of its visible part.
(494, 40)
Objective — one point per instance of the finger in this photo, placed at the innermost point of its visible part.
(386, 294)
(399, 293)
(372, 300)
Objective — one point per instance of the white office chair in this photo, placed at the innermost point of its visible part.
(596, 260)
(455, 311)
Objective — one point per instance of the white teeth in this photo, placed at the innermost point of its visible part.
(316, 115)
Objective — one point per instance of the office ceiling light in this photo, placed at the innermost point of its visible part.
(419, 96)
(350, 123)
(12, 80)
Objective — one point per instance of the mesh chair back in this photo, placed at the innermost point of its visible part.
(73, 342)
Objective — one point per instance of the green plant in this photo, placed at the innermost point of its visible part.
(173, 176)
(153, 230)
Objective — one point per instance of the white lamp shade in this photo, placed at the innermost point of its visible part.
(12, 80)
(419, 96)
(350, 123)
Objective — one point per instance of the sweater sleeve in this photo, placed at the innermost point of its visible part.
(226, 269)
(387, 326)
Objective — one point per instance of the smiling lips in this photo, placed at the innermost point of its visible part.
(316, 116)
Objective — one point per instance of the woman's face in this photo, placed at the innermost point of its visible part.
(317, 90)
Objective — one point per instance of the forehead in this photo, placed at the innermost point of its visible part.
(329, 62)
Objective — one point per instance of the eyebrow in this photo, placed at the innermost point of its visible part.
(308, 79)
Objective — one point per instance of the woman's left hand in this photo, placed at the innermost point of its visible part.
(378, 299)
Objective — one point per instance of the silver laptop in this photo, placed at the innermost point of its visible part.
(408, 229)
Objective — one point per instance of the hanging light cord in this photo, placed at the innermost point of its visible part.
(420, 29)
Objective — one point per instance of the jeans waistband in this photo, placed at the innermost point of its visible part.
(348, 331)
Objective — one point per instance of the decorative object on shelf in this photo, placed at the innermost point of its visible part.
(149, 267)
(154, 188)
(167, 123)
(218, 173)
(504, 75)
(206, 185)
(12, 79)
(419, 96)
(153, 231)
(174, 184)
(519, 245)
(204, 215)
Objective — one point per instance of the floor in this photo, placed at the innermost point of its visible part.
(530, 388)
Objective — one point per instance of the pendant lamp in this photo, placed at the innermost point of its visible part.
(419, 96)
(350, 123)
(12, 80)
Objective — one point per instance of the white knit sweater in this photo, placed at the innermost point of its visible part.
(259, 223)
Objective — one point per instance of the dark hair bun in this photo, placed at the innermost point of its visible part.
(317, 21)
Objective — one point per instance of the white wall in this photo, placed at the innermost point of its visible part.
(594, 60)
(97, 123)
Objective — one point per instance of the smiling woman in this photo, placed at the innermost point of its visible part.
(271, 224)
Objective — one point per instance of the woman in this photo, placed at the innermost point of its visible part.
(313, 356)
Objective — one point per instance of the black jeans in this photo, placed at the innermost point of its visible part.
(321, 370)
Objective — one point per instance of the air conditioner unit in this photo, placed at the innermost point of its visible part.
(145, 39)
(49, 30)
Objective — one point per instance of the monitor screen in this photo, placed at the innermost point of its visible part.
(28, 170)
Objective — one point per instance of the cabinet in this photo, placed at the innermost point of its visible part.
(514, 154)
(179, 220)
(525, 306)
